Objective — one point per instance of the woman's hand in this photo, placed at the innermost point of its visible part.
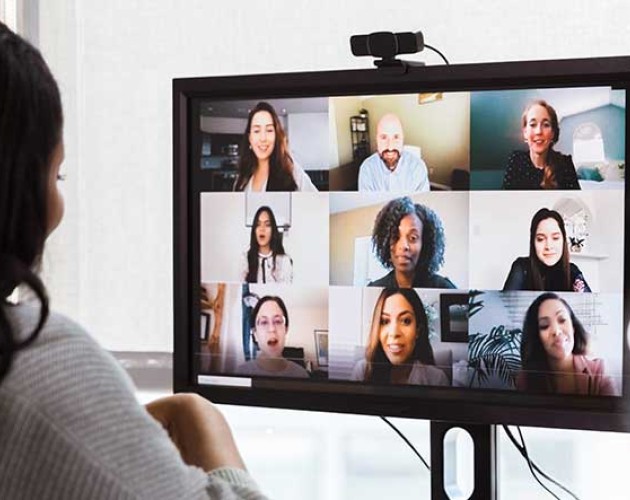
(198, 430)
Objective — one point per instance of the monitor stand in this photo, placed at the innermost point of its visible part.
(446, 458)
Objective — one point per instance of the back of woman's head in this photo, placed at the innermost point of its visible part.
(31, 122)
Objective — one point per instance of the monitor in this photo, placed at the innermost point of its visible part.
(445, 243)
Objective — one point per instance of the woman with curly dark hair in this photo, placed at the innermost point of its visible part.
(265, 163)
(266, 261)
(70, 424)
(409, 239)
(398, 350)
(553, 352)
(540, 167)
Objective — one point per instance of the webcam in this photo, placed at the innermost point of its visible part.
(386, 46)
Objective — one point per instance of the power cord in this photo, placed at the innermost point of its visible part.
(521, 447)
(533, 468)
(403, 437)
(427, 46)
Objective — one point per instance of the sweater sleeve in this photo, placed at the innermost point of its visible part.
(73, 423)
(578, 281)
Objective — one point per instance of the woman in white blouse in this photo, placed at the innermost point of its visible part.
(266, 261)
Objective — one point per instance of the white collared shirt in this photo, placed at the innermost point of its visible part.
(409, 175)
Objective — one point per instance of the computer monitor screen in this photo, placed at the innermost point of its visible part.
(444, 243)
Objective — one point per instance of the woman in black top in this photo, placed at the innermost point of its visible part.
(547, 267)
(541, 167)
(409, 239)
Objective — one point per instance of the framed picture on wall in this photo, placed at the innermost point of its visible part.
(321, 347)
(454, 317)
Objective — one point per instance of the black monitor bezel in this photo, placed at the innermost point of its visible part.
(453, 404)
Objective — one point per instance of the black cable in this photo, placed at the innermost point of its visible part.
(522, 448)
(546, 476)
(437, 52)
(402, 436)
(523, 451)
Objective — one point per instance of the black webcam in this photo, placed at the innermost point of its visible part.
(386, 45)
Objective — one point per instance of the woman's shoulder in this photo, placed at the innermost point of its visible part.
(302, 179)
(521, 264)
(358, 371)
(590, 366)
(422, 374)
(561, 158)
(25, 317)
(518, 156)
(518, 160)
(386, 281)
(575, 270)
(294, 370)
(63, 350)
(517, 277)
(434, 280)
(284, 259)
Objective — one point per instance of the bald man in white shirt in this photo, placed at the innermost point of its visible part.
(391, 168)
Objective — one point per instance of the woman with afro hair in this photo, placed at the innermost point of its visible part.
(408, 238)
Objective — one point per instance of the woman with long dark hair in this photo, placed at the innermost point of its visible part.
(553, 352)
(540, 167)
(398, 350)
(266, 163)
(548, 266)
(266, 261)
(408, 238)
(70, 424)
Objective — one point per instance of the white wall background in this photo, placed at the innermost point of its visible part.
(111, 260)
(225, 238)
(495, 242)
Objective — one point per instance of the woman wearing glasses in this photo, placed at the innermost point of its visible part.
(271, 324)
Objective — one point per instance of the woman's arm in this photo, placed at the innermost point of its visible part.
(578, 282)
(285, 269)
(303, 181)
(85, 414)
(198, 430)
(358, 372)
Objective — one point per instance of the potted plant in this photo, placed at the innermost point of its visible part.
(495, 353)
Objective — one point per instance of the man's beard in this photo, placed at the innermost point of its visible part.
(390, 157)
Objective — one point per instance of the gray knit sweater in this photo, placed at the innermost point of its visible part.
(71, 428)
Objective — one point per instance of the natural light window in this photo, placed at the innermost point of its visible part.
(588, 145)
(8, 13)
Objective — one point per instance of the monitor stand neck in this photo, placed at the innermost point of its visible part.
(446, 458)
